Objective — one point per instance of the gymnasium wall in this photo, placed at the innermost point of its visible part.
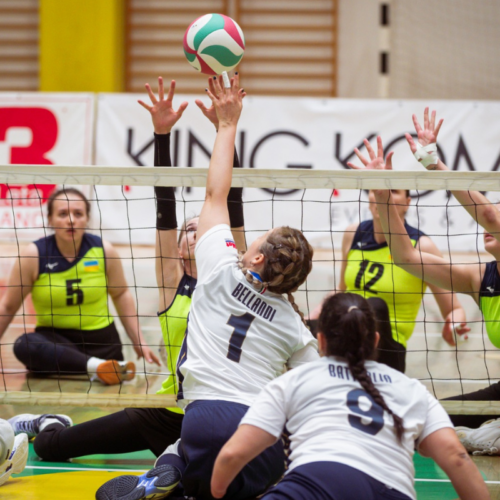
(445, 49)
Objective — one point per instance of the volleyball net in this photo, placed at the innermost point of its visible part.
(323, 204)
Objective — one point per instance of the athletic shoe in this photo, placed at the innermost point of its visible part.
(18, 457)
(482, 441)
(112, 372)
(157, 483)
(30, 424)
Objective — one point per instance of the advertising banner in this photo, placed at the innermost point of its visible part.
(40, 129)
(291, 133)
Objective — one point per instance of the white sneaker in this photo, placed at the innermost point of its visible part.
(30, 424)
(482, 441)
(16, 462)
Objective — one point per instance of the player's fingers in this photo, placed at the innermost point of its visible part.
(369, 148)
(151, 94)
(380, 147)
(144, 105)
(362, 159)
(433, 119)
(161, 90)
(213, 98)
(388, 161)
(438, 128)
(182, 108)
(411, 143)
(171, 91)
(201, 106)
(418, 128)
(426, 118)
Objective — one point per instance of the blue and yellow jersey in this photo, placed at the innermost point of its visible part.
(371, 272)
(173, 321)
(489, 302)
(71, 295)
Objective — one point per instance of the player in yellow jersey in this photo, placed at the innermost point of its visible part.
(135, 429)
(394, 294)
(69, 275)
(481, 282)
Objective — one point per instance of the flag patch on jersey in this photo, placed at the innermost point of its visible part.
(91, 266)
(230, 243)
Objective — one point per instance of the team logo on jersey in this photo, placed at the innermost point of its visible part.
(91, 266)
(230, 243)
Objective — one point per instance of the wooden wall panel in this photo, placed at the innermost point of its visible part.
(18, 45)
(291, 44)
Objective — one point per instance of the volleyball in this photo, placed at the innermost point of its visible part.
(6, 440)
(214, 43)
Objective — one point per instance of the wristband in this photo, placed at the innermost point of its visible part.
(235, 200)
(427, 155)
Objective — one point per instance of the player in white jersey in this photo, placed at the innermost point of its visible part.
(353, 422)
(242, 333)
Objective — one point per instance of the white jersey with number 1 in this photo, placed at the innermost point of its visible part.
(237, 339)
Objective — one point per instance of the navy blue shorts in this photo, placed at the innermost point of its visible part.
(206, 427)
(331, 481)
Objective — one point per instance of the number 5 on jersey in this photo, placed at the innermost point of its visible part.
(241, 324)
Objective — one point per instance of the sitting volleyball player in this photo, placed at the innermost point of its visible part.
(135, 429)
(481, 282)
(394, 294)
(242, 332)
(353, 422)
(13, 452)
(69, 275)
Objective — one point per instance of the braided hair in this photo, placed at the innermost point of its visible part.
(287, 262)
(349, 326)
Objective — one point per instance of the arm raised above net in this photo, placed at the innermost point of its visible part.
(485, 213)
(228, 105)
(168, 265)
(426, 266)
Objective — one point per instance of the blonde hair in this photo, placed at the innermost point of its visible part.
(287, 262)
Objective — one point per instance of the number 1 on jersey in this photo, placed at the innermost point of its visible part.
(241, 324)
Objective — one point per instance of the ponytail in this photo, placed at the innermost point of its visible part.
(348, 325)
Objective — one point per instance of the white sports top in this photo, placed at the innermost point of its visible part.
(237, 340)
(331, 418)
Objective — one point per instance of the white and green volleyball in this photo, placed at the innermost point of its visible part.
(214, 43)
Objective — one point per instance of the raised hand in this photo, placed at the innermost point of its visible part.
(162, 113)
(376, 161)
(427, 135)
(210, 112)
(227, 103)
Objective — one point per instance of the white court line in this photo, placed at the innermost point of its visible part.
(85, 469)
(139, 470)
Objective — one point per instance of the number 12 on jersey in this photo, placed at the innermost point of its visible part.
(241, 324)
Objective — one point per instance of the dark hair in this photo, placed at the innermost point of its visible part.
(66, 192)
(288, 261)
(349, 327)
(407, 193)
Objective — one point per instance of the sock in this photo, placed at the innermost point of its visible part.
(93, 363)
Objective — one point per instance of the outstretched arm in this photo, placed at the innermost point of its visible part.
(426, 266)
(477, 205)
(228, 104)
(446, 450)
(167, 264)
(235, 197)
